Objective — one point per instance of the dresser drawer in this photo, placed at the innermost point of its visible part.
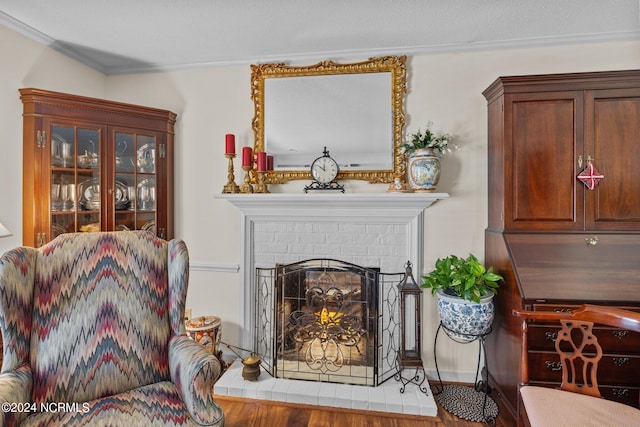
(612, 340)
(613, 369)
(627, 395)
(571, 307)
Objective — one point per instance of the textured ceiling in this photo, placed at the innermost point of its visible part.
(120, 36)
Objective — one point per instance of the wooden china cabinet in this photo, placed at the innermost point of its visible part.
(94, 165)
(557, 242)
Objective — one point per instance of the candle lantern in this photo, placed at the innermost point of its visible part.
(410, 351)
(410, 315)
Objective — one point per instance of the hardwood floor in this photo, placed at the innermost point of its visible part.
(260, 413)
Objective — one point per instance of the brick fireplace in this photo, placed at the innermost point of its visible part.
(376, 230)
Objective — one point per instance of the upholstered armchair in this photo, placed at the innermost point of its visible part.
(94, 335)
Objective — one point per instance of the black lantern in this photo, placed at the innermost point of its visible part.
(409, 353)
(410, 315)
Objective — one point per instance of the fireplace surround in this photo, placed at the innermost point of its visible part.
(381, 230)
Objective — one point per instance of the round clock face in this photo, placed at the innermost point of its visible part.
(324, 169)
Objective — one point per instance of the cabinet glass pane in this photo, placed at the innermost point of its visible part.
(125, 152)
(62, 146)
(74, 180)
(88, 149)
(135, 182)
(63, 192)
(146, 154)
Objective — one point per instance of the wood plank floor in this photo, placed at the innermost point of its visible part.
(260, 413)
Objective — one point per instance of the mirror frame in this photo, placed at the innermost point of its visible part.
(385, 64)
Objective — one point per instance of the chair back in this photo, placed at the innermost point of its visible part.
(576, 344)
(100, 322)
(579, 353)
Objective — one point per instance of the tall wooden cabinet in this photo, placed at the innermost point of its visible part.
(94, 165)
(558, 243)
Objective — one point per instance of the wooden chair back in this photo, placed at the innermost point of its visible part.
(576, 344)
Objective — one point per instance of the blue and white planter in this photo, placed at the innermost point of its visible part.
(464, 320)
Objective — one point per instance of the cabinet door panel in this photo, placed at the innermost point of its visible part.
(541, 166)
(613, 138)
(138, 188)
(75, 200)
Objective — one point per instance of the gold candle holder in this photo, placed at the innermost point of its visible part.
(247, 187)
(230, 186)
(261, 185)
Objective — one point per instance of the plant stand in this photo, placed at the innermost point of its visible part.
(471, 403)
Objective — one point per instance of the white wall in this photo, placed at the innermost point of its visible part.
(210, 102)
(25, 63)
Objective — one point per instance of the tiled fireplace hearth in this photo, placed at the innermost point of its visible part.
(376, 230)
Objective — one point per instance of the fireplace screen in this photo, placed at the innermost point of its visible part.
(327, 320)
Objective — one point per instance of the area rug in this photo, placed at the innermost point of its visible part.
(467, 403)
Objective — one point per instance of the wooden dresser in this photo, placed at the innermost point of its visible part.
(558, 243)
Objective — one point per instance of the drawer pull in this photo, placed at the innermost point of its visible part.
(554, 366)
(591, 240)
(620, 334)
(621, 361)
(620, 392)
(551, 336)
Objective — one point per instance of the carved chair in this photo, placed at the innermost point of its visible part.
(578, 401)
(94, 335)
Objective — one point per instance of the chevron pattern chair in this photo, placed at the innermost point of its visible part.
(94, 335)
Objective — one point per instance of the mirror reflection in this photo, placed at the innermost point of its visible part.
(355, 110)
(350, 115)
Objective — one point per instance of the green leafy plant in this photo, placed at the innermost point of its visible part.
(427, 139)
(466, 278)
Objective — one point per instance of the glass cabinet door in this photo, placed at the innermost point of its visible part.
(74, 198)
(135, 181)
(94, 165)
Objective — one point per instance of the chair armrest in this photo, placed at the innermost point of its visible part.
(194, 371)
(15, 387)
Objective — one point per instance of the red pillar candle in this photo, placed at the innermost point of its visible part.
(262, 161)
(269, 163)
(230, 145)
(247, 156)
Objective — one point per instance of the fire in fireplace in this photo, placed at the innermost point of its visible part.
(328, 320)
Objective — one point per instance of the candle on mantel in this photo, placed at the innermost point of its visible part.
(247, 156)
(262, 161)
(230, 144)
(269, 163)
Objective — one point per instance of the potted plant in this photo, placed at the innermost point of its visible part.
(423, 151)
(465, 290)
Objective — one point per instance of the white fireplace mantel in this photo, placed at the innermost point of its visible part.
(401, 214)
(285, 201)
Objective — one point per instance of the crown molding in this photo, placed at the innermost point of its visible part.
(78, 55)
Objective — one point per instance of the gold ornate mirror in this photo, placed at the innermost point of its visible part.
(355, 110)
